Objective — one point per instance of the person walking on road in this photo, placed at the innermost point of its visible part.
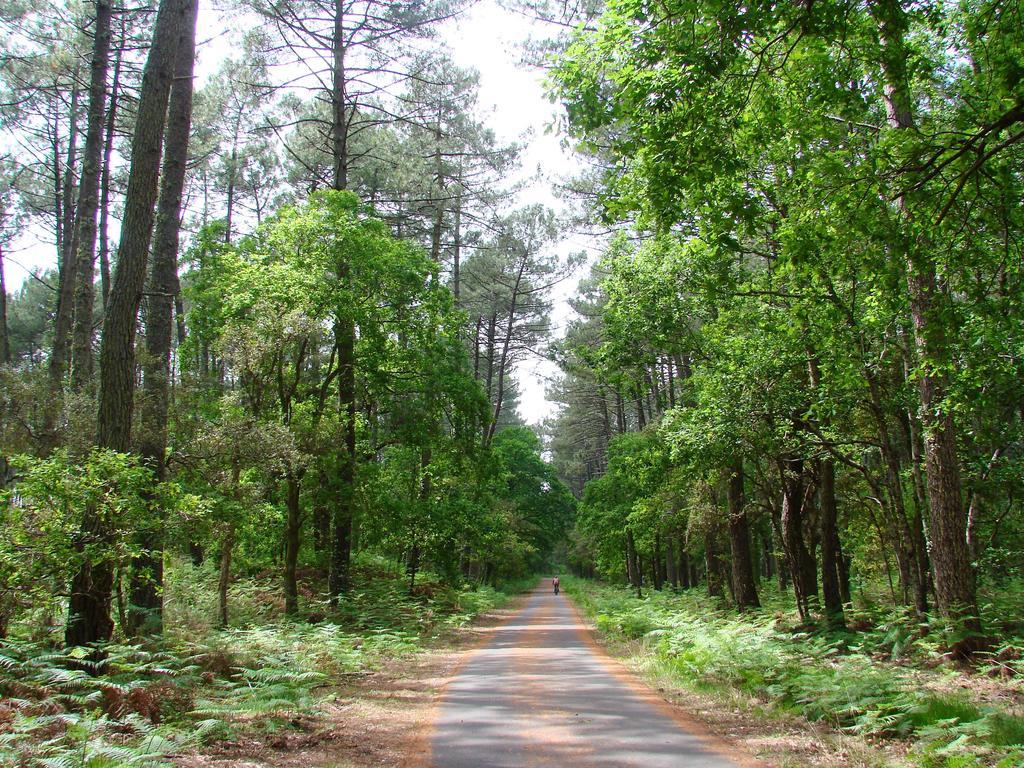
(554, 583)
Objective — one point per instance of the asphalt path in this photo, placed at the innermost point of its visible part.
(539, 693)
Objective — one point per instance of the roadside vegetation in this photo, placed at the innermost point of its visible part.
(199, 685)
(886, 680)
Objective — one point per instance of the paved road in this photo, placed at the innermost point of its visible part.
(539, 694)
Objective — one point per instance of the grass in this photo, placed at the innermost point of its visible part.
(199, 684)
(851, 681)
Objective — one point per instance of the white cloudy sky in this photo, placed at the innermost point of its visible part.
(487, 38)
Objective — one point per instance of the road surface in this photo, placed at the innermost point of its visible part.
(540, 694)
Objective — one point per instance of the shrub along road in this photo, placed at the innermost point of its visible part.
(540, 693)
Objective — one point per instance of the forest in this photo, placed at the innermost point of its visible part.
(262, 422)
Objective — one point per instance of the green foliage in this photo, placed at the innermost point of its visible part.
(41, 516)
(807, 243)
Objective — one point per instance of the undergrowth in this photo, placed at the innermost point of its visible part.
(867, 682)
(199, 684)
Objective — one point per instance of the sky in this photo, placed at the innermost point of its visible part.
(489, 39)
(513, 103)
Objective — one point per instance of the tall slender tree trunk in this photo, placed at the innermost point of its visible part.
(913, 587)
(671, 381)
(641, 419)
(743, 582)
(108, 151)
(438, 225)
(655, 404)
(711, 567)
(779, 547)
(955, 585)
(341, 544)
(292, 531)
(503, 361)
(832, 598)
(843, 562)
(792, 521)
(415, 552)
(229, 213)
(227, 546)
(321, 516)
(657, 575)
(606, 421)
(145, 615)
(89, 605)
(671, 562)
(344, 333)
(5, 343)
(68, 262)
(491, 339)
(633, 563)
(830, 554)
(339, 114)
(457, 246)
(88, 201)
(684, 567)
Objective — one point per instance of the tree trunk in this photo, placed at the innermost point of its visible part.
(339, 124)
(491, 338)
(503, 362)
(438, 225)
(321, 516)
(146, 612)
(341, 545)
(89, 621)
(292, 529)
(424, 499)
(476, 349)
(68, 262)
(108, 150)
(779, 548)
(792, 521)
(830, 569)
(5, 344)
(657, 577)
(230, 198)
(88, 201)
(89, 604)
(912, 587)
(457, 247)
(843, 562)
(743, 582)
(955, 585)
(227, 544)
(671, 569)
(712, 569)
(412, 565)
(344, 333)
(633, 563)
